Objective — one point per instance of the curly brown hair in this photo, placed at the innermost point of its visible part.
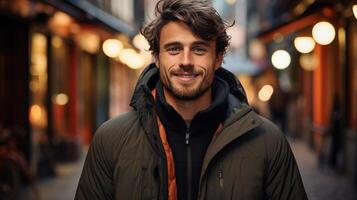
(202, 19)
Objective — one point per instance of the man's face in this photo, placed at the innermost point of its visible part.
(186, 62)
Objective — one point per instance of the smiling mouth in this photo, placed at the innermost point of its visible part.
(186, 75)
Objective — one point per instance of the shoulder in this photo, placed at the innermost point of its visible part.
(271, 130)
(265, 136)
(120, 122)
(114, 130)
(275, 142)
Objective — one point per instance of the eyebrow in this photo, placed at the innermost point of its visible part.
(204, 43)
(171, 44)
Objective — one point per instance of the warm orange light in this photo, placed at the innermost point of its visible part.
(308, 62)
(61, 19)
(56, 42)
(112, 47)
(36, 112)
(38, 55)
(60, 99)
(89, 41)
(38, 116)
(131, 58)
(304, 44)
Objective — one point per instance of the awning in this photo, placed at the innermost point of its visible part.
(296, 25)
(92, 12)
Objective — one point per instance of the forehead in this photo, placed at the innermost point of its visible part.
(179, 32)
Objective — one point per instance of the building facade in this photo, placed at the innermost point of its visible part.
(57, 85)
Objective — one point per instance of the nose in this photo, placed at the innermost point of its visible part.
(186, 59)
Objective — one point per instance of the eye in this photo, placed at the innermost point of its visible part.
(199, 50)
(173, 50)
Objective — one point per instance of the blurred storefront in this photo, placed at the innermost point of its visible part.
(58, 80)
(311, 48)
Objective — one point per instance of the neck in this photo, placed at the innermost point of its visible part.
(189, 108)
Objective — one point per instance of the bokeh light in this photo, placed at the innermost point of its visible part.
(304, 44)
(323, 33)
(281, 59)
(265, 93)
(112, 47)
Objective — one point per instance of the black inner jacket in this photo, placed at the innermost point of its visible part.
(188, 157)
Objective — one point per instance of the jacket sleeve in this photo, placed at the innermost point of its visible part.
(283, 180)
(96, 178)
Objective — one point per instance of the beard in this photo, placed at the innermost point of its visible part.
(186, 94)
(189, 92)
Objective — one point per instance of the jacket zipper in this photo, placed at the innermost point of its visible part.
(221, 182)
(189, 164)
(227, 123)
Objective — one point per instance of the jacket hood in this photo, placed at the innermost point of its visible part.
(150, 75)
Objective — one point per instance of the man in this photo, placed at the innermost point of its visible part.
(191, 133)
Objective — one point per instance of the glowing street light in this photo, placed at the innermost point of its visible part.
(308, 62)
(131, 58)
(112, 47)
(265, 93)
(62, 19)
(281, 59)
(354, 9)
(323, 33)
(60, 99)
(89, 41)
(56, 42)
(304, 44)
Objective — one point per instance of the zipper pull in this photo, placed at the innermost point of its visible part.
(187, 136)
(220, 177)
(220, 174)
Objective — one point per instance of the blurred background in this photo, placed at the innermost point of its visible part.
(66, 66)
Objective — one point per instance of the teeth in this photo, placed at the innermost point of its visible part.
(187, 75)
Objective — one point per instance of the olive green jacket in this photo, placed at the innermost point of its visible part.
(249, 159)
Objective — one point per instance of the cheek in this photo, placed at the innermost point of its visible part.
(166, 61)
(207, 60)
(208, 64)
(164, 76)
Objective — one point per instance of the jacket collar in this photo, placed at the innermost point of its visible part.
(238, 108)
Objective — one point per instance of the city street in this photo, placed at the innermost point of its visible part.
(62, 187)
(320, 184)
(68, 66)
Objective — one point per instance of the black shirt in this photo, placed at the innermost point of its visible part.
(189, 143)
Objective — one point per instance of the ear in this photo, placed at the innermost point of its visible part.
(219, 60)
